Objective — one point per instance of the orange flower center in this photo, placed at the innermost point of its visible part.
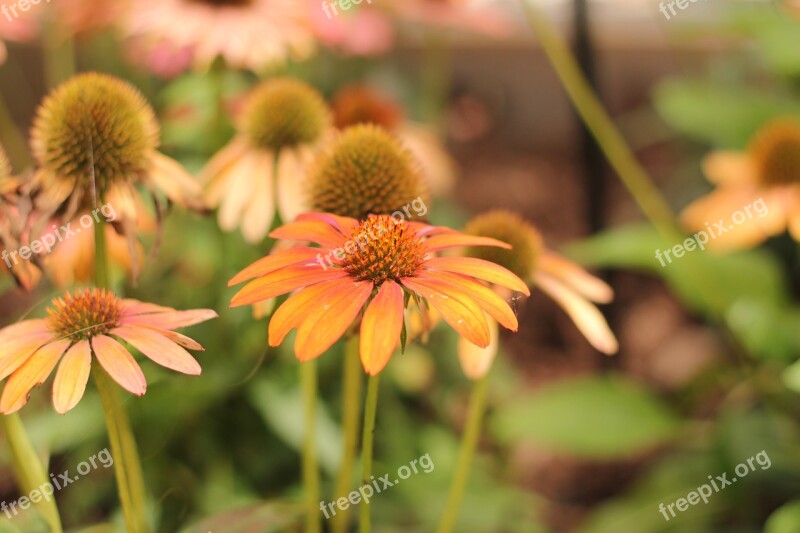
(776, 151)
(84, 314)
(382, 249)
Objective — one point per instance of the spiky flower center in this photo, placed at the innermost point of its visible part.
(223, 3)
(284, 112)
(365, 172)
(525, 240)
(98, 123)
(84, 314)
(383, 249)
(776, 151)
(359, 104)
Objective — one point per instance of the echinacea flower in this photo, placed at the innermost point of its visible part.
(765, 179)
(565, 282)
(373, 269)
(282, 125)
(249, 34)
(90, 324)
(365, 171)
(362, 104)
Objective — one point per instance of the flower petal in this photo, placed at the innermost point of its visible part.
(32, 374)
(119, 364)
(310, 231)
(293, 311)
(724, 167)
(453, 240)
(260, 210)
(476, 361)
(159, 349)
(132, 307)
(345, 225)
(14, 353)
(283, 281)
(330, 319)
(22, 329)
(72, 376)
(292, 166)
(177, 338)
(576, 278)
(274, 261)
(240, 192)
(481, 269)
(585, 315)
(460, 312)
(171, 320)
(381, 327)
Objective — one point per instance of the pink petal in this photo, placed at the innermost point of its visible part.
(119, 364)
(170, 320)
(72, 376)
(32, 374)
(159, 349)
(576, 278)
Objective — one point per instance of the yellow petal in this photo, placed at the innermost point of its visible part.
(72, 376)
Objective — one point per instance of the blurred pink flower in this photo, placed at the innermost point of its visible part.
(459, 14)
(360, 32)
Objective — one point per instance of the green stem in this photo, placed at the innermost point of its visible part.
(308, 381)
(28, 469)
(351, 410)
(370, 409)
(59, 57)
(591, 110)
(15, 145)
(469, 443)
(100, 256)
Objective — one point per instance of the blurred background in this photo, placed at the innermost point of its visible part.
(574, 441)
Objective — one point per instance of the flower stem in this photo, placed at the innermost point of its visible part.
(28, 468)
(591, 110)
(100, 261)
(370, 409)
(351, 410)
(308, 381)
(469, 442)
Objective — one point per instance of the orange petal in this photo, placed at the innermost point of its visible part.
(724, 167)
(460, 312)
(452, 240)
(381, 327)
(486, 298)
(32, 374)
(171, 320)
(119, 364)
(72, 376)
(481, 269)
(330, 318)
(345, 225)
(310, 231)
(283, 281)
(14, 353)
(274, 262)
(576, 278)
(177, 338)
(294, 310)
(476, 361)
(159, 349)
(586, 316)
(22, 329)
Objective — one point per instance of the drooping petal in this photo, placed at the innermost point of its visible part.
(461, 313)
(159, 349)
(310, 231)
(328, 321)
(177, 338)
(32, 374)
(260, 211)
(293, 311)
(292, 197)
(22, 329)
(283, 281)
(72, 376)
(215, 175)
(381, 327)
(481, 269)
(725, 167)
(476, 361)
(274, 261)
(453, 240)
(132, 307)
(585, 315)
(171, 320)
(177, 184)
(576, 278)
(240, 192)
(119, 364)
(14, 353)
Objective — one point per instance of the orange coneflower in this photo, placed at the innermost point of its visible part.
(90, 323)
(765, 180)
(251, 34)
(262, 168)
(569, 285)
(375, 266)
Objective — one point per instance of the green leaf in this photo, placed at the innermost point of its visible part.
(785, 519)
(594, 417)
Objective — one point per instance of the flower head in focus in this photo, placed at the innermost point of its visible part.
(91, 323)
(565, 282)
(373, 269)
(765, 180)
(263, 168)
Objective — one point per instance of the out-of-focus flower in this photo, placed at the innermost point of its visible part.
(366, 171)
(569, 285)
(251, 34)
(90, 323)
(375, 266)
(459, 14)
(361, 104)
(15, 29)
(363, 31)
(282, 125)
(95, 140)
(765, 177)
